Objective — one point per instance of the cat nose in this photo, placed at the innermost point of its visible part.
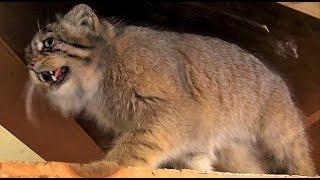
(31, 65)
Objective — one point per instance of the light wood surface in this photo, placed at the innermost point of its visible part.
(11, 148)
(70, 170)
(310, 8)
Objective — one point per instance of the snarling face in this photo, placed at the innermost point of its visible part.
(61, 56)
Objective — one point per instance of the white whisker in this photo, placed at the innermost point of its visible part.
(28, 104)
(38, 25)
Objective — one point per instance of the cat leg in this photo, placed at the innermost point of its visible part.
(142, 148)
(284, 136)
(199, 162)
(239, 158)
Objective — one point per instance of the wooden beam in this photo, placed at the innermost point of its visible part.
(72, 170)
(310, 8)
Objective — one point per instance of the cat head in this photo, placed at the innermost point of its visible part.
(61, 56)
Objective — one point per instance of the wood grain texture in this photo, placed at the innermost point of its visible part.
(12, 149)
(310, 8)
(72, 170)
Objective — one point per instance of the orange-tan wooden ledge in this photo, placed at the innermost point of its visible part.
(69, 170)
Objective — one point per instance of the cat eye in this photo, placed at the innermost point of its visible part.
(48, 43)
(84, 23)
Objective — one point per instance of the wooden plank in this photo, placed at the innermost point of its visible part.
(69, 170)
(12, 149)
(310, 8)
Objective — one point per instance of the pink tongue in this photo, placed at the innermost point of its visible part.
(57, 73)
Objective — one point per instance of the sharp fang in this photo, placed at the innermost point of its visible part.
(51, 72)
(53, 78)
(41, 77)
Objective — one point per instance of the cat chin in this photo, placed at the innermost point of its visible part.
(68, 97)
(66, 104)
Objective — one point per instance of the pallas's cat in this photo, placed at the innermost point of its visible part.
(171, 96)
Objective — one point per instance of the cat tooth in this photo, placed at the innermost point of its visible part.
(53, 78)
(41, 77)
(51, 72)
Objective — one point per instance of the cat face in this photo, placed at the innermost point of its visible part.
(61, 56)
(60, 51)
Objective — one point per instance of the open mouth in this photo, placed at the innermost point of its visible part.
(55, 77)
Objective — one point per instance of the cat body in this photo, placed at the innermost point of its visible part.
(200, 100)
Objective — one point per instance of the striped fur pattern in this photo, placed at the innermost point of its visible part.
(178, 99)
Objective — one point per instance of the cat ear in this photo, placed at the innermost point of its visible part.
(82, 15)
(59, 16)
